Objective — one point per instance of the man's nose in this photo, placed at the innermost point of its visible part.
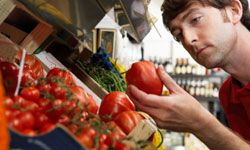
(190, 36)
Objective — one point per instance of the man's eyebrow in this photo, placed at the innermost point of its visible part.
(190, 11)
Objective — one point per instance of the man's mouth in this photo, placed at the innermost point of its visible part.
(200, 51)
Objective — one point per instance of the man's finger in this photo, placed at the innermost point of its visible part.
(146, 99)
(167, 80)
(151, 111)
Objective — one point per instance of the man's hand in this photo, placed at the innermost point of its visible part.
(179, 111)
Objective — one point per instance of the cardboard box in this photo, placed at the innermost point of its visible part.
(24, 28)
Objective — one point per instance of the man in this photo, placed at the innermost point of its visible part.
(216, 34)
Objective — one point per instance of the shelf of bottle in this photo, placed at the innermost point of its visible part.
(209, 99)
(195, 76)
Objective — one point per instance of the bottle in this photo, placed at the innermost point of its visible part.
(192, 88)
(197, 88)
(189, 67)
(184, 66)
(207, 91)
(169, 67)
(215, 90)
(202, 88)
(211, 89)
(178, 66)
(194, 72)
(187, 87)
(183, 83)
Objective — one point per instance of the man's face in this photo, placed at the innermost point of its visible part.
(206, 33)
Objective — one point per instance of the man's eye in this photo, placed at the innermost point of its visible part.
(177, 37)
(196, 20)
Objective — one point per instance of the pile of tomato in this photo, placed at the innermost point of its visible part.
(43, 101)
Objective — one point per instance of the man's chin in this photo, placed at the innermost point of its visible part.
(209, 65)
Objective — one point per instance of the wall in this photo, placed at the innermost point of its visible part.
(158, 44)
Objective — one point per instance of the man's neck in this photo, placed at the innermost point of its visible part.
(238, 63)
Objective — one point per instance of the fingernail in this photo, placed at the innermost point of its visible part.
(161, 67)
(132, 87)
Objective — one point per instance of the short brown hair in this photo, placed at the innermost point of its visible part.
(171, 8)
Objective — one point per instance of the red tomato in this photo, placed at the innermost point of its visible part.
(44, 89)
(86, 137)
(121, 146)
(40, 120)
(8, 103)
(10, 73)
(115, 133)
(86, 99)
(29, 78)
(59, 91)
(143, 75)
(29, 132)
(71, 107)
(34, 64)
(113, 104)
(47, 127)
(102, 138)
(23, 121)
(11, 114)
(127, 120)
(22, 103)
(64, 120)
(44, 105)
(86, 141)
(30, 93)
(72, 128)
(56, 110)
(61, 74)
(103, 146)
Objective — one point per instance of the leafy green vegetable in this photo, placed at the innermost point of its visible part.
(108, 79)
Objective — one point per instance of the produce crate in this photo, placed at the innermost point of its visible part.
(49, 62)
(8, 49)
(66, 51)
(61, 138)
(91, 83)
(58, 138)
(22, 26)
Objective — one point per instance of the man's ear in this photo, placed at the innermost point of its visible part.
(236, 11)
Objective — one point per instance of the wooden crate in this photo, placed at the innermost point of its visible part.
(22, 26)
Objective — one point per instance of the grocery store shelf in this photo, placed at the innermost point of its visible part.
(209, 99)
(196, 76)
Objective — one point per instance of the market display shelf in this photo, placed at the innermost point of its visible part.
(59, 138)
(208, 99)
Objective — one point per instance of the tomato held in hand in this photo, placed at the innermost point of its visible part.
(113, 104)
(143, 75)
(127, 120)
